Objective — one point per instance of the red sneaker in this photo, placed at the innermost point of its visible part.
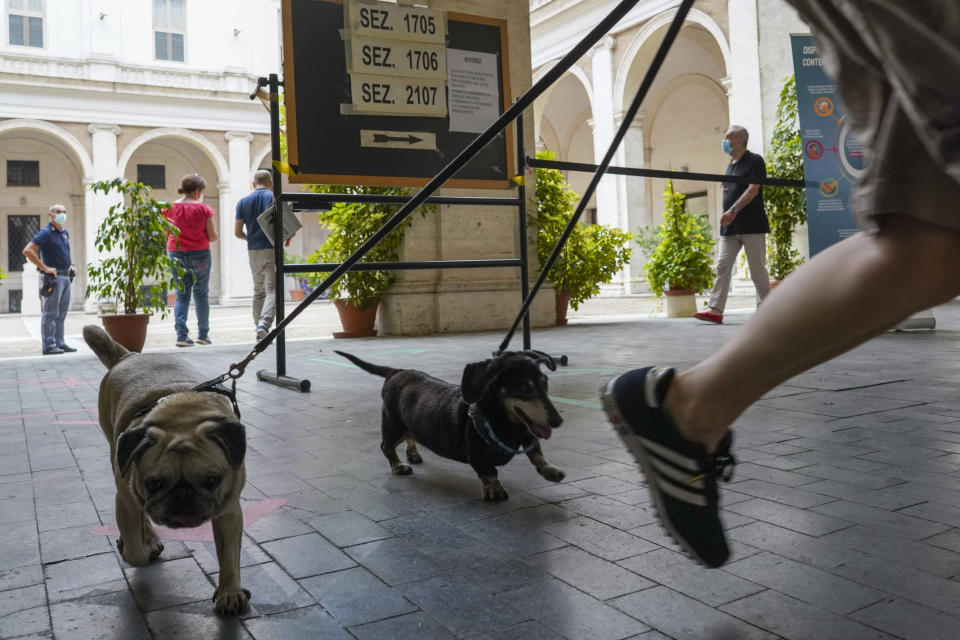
(706, 316)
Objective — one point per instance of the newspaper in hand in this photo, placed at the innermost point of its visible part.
(290, 222)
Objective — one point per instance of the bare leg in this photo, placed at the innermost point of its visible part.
(844, 296)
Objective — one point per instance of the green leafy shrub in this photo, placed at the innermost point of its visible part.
(593, 253)
(137, 272)
(350, 225)
(786, 206)
(681, 259)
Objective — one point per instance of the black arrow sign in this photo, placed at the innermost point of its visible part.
(382, 137)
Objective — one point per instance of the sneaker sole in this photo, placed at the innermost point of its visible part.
(640, 455)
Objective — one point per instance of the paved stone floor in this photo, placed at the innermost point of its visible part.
(844, 513)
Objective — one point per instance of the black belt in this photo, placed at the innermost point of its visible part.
(63, 272)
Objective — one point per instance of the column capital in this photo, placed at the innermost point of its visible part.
(239, 135)
(109, 128)
(223, 188)
(606, 43)
(727, 83)
(637, 119)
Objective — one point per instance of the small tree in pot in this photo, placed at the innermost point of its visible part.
(681, 261)
(593, 253)
(137, 271)
(786, 206)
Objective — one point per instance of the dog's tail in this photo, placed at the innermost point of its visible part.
(375, 369)
(109, 352)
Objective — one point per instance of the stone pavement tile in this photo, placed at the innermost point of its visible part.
(30, 573)
(835, 404)
(205, 553)
(427, 534)
(311, 623)
(493, 569)
(107, 616)
(571, 613)
(804, 583)
(462, 604)
(801, 520)
(48, 462)
(271, 590)
(942, 513)
(677, 571)
(592, 575)
(831, 447)
(376, 504)
(799, 498)
(606, 485)
(23, 611)
(780, 449)
(902, 525)
(556, 493)
(415, 625)
(879, 498)
(277, 525)
(166, 584)
(278, 483)
(16, 486)
(307, 555)
(195, 620)
(906, 582)
(65, 516)
(313, 500)
(909, 620)
(783, 463)
(565, 458)
(478, 509)
(17, 510)
(87, 576)
(355, 596)
(347, 528)
(849, 476)
(599, 539)
(71, 543)
(394, 561)
(684, 618)
(523, 531)
(793, 619)
(832, 463)
(923, 555)
(530, 630)
(949, 540)
(609, 510)
(748, 470)
(920, 458)
(638, 497)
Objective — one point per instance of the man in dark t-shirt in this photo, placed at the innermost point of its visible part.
(743, 224)
(49, 251)
(259, 249)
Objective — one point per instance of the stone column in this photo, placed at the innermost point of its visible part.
(97, 204)
(634, 211)
(603, 127)
(236, 282)
(746, 100)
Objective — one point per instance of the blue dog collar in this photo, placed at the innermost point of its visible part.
(485, 431)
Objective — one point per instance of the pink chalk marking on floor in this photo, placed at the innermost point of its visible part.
(76, 422)
(204, 532)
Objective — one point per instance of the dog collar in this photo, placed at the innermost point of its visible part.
(206, 386)
(485, 430)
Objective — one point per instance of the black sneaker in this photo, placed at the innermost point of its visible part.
(52, 351)
(681, 475)
(66, 348)
(184, 342)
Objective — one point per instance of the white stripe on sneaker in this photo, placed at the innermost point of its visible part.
(682, 494)
(675, 474)
(670, 456)
(650, 388)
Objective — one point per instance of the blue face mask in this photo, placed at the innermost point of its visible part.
(60, 218)
(726, 146)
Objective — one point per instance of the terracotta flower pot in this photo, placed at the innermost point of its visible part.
(773, 284)
(357, 323)
(171, 298)
(127, 329)
(563, 302)
(297, 295)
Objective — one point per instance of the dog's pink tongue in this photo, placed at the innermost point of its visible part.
(542, 432)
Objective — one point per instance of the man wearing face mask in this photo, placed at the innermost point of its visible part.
(743, 224)
(49, 250)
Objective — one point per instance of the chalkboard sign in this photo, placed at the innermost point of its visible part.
(384, 94)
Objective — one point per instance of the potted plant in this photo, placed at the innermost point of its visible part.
(786, 206)
(356, 294)
(680, 266)
(299, 292)
(593, 253)
(136, 272)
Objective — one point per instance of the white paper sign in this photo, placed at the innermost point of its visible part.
(474, 100)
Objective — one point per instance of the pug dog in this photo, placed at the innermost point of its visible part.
(177, 458)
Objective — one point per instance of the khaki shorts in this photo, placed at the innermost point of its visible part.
(897, 66)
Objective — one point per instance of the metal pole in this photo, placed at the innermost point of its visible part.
(522, 196)
(621, 132)
(278, 259)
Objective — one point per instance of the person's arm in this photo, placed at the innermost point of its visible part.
(238, 229)
(211, 230)
(30, 251)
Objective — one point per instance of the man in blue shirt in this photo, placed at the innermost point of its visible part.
(49, 250)
(259, 249)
